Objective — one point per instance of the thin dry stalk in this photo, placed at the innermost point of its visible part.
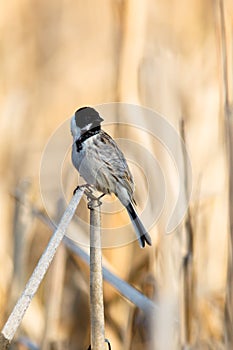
(228, 114)
(54, 291)
(187, 265)
(37, 276)
(229, 289)
(131, 49)
(51, 337)
(23, 220)
(96, 278)
(125, 289)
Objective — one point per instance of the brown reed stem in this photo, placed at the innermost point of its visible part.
(96, 278)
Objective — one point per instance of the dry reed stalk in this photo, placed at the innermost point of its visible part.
(54, 292)
(229, 289)
(125, 289)
(228, 119)
(37, 276)
(96, 278)
(187, 265)
(23, 221)
(55, 281)
(133, 38)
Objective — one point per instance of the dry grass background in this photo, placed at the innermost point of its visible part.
(166, 55)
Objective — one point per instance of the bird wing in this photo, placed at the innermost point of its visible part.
(113, 161)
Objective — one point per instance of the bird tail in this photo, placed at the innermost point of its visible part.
(142, 234)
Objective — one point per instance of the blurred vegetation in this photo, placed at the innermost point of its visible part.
(57, 56)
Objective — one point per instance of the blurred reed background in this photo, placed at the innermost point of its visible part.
(174, 57)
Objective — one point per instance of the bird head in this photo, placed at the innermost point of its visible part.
(84, 119)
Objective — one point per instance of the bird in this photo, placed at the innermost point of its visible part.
(101, 163)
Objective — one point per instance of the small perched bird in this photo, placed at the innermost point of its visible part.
(102, 164)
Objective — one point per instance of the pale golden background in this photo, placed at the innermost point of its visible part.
(57, 56)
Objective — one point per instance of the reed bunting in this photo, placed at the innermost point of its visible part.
(102, 164)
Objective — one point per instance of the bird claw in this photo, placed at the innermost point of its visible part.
(90, 196)
(75, 190)
(86, 186)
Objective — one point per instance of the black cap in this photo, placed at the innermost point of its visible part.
(87, 115)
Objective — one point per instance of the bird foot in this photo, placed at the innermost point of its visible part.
(86, 186)
(89, 192)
